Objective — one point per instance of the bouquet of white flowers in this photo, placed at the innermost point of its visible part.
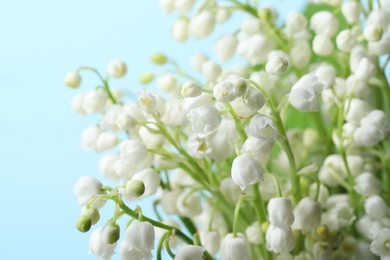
(283, 155)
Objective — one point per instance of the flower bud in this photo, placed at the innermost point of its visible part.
(92, 213)
(280, 212)
(202, 25)
(277, 65)
(190, 89)
(77, 104)
(235, 248)
(98, 247)
(146, 78)
(307, 214)
(225, 47)
(147, 101)
(222, 15)
(205, 120)
(376, 207)
(159, 58)
(116, 69)
(106, 141)
(380, 47)
(190, 252)
(249, 103)
(368, 136)
(140, 235)
(110, 233)
(300, 54)
(211, 240)
(224, 91)
(246, 170)
(263, 128)
(240, 84)
(280, 240)
(84, 223)
(197, 62)
(323, 232)
(322, 45)
(211, 70)
(135, 188)
(304, 93)
(72, 79)
(132, 151)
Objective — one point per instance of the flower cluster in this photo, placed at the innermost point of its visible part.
(282, 153)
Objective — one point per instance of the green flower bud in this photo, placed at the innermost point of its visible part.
(72, 79)
(323, 232)
(305, 184)
(110, 233)
(146, 78)
(159, 58)
(135, 188)
(84, 223)
(92, 213)
(265, 15)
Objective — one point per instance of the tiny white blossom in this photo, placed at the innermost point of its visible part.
(262, 127)
(277, 65)
(190, 252)
(225, 47)
(205, 120)
(233, 248)
(280, 212)
(72, 79)
(116, 68)
(202, 25)
(141, 236)
(381, 244)
(211, 70)
(180, 30)
(376, 207)
(224, 91)
(280, 240)
(86, 188)
(246, 170)
(307, 214)
(211, 240)
(99, 248)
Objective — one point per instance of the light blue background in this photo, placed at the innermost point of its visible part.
(40, 155)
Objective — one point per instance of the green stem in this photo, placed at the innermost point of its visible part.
(237, 122)
(105, 83)
(160, 245)
(237, 213)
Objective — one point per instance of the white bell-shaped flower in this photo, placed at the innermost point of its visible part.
(125, 121)
(365, 70)
(356, 109)
(258, 148)
(190, 89)
(106, 141)
(180, 30)
(254, 234)
(304, 93)
(77, 104)
(94, 101)
(346, 40)
(107, 166)
(211, 70)
(367, 184)
(262, 127)
(132, 151)
(279, 240)
(202, 25)
(128, 252)
(183, 6)
(322, 45)
(89, 138)
(168, 201)
(300, 54)
(188, 205)
(224, 91)
(246, 170)
(167, 82)
(381, 245)
(368, 136)
(295, 22)
(167, 5)
(230, 190)
(372, 32)
(277, 65)
(307, 215)
(116, 68)
(141, 236)
(190, 252)
(375, 118)
(72, 79)
(99, 248)
(324, 23)
(376, 207)
(151, 180)
(211, 240)
(86, 188)
(205, 120)
(380, 47)
(249, 103)
(280, 212)
(225, 47)
(351, 11)
(197, 61)
(233, 248)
